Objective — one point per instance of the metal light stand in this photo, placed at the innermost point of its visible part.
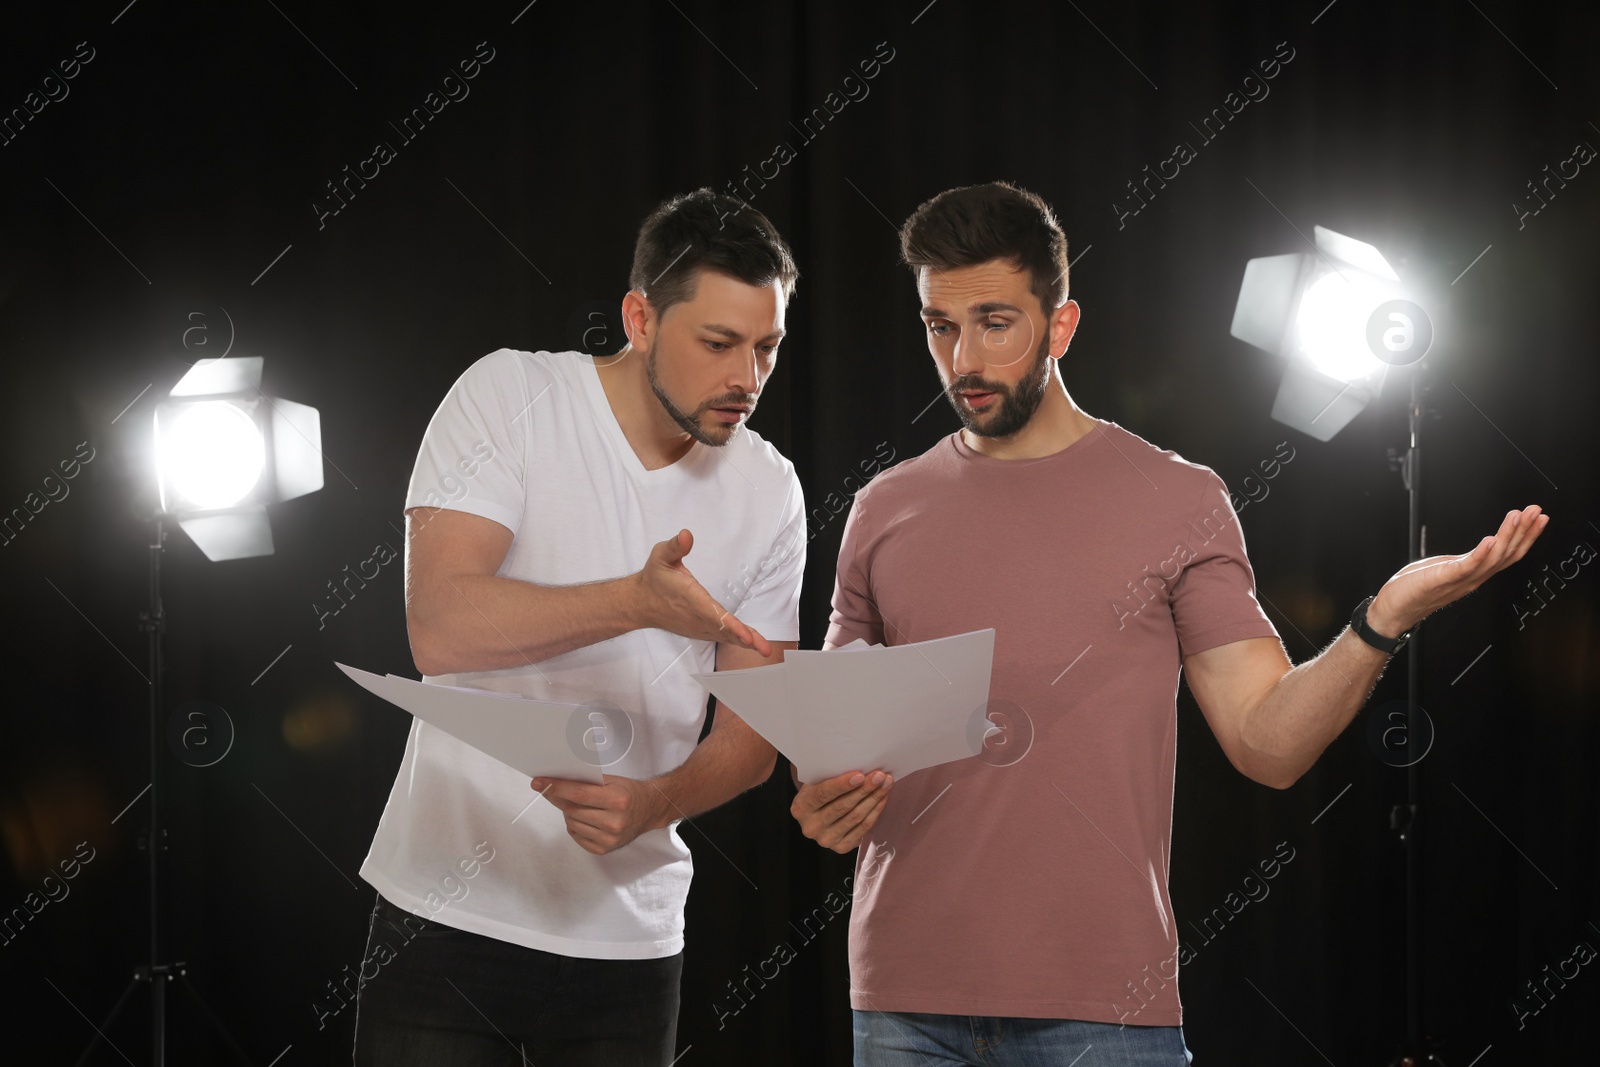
(154, 841)
(1406, 819)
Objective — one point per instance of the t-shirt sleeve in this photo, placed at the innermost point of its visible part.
(1213, 601)
(772, 603)
(854, 613)
(473, 453)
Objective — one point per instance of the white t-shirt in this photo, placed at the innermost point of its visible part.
(529, 440)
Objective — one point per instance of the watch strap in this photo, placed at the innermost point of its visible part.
(1387, 645)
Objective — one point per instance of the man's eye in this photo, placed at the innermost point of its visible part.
(717, 346)
(938, 329)
(997, 325)
(770, 350)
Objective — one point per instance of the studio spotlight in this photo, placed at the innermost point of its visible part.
(225, 450)
(1340, 318)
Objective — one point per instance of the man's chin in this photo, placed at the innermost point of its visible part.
(977, 422)
(723, 434)
(716, 433)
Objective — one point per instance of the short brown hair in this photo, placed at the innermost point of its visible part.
(706, 230)
(977, 223)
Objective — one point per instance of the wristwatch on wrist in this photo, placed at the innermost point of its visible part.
(1387, 645)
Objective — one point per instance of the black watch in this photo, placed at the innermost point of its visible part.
(1387, 645)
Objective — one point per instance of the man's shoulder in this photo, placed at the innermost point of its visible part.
(914, 474)
(520, 365)
(758, 460)
(1163, 466)
(514, 382)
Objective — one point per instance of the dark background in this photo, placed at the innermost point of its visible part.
(153, 201)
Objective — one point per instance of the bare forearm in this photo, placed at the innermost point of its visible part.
(1310, 706)
(475, 622)
(728, 762)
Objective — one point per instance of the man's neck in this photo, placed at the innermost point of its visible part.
(655, 438)
(1057, 424)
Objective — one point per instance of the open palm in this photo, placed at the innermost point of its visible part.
(1421, 588)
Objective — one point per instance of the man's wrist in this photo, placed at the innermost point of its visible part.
(1382, 622)
(1372, 628)
(665, 816)
(632, 614)
(662, 810)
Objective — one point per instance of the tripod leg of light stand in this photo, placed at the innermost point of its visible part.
(216, 1023)
(158, 983)
(140, 975)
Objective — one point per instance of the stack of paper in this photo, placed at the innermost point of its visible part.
(863, 707)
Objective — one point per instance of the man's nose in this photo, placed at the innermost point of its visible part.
(968, 357)
(744, 376)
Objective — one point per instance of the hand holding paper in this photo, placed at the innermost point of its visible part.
(837, 812)
(603, 818)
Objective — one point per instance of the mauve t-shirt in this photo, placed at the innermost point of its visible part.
(1031, 880)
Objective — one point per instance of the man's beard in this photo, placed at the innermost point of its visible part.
(1012, 410)
(690, 424)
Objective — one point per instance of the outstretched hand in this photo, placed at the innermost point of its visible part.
(1421, 588)
(675, 601)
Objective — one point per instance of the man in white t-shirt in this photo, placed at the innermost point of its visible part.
(591, 532)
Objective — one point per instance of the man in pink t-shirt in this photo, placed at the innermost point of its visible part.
(1013, 907)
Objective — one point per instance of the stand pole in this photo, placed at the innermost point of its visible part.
(1406, 819)
(154, 622)
(155, 625)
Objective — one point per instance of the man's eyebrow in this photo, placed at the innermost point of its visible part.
(734, 335)
(987, 308)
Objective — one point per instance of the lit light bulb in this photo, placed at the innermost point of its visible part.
(212, 454)
(1332, 323)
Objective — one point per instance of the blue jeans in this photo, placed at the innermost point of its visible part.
(914, 1039)
(437, 995)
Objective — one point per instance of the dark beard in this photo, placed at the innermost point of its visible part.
(690, 424)
(1014, 408)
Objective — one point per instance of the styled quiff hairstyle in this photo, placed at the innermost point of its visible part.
(706, 230)
(978, 223)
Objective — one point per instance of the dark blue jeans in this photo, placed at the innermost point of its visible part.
(910, 1039)
(446, 996)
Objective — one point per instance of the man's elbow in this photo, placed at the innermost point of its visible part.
(764, 771)
(1276, 780)
(427, 652)
(1275, 773)
(435, 641)
(427, 665)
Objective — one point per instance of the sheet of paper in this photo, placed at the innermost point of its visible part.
(536, 737)
(859, 707)
(762, 690)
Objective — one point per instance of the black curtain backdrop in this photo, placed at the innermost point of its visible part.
(162, 204)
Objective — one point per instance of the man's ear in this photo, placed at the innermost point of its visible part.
(1063, 324)
(639, 320)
